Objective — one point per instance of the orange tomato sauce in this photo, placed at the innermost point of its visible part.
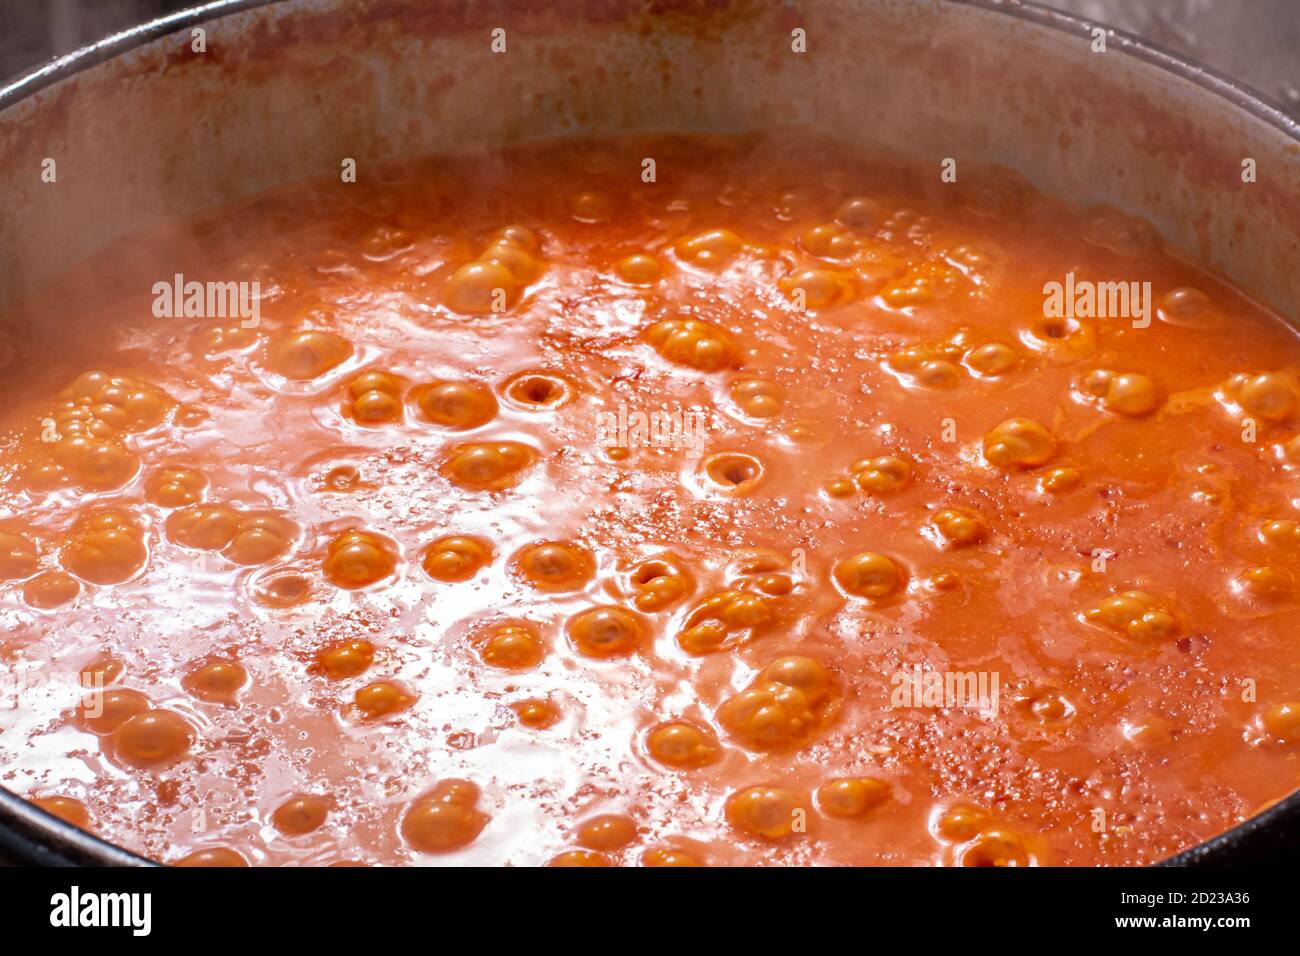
(551, 515)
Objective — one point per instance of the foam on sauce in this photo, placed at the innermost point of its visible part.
(553, 516)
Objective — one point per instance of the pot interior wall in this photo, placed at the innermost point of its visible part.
(287, 91)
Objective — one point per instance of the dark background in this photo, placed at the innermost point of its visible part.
(1254, 41)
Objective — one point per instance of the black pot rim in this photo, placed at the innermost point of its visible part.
(40, 838)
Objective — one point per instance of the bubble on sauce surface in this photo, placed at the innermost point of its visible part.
(456, 558)
(457, 405)
(608, 631)
(153, 738)
(765, 812)
(693, 343)
(783, 708)
(554, 565)
(725, 619)
(219, 856)
(308, 354)
(538, 390)
(105, 546)
(511, 645)
(359, 559)
(445, 819)
(68, 809)
(871, 576)
(682, 745)
(488, 466)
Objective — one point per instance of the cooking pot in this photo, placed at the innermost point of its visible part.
(214, 104)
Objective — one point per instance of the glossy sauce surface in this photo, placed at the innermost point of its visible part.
(399, 576)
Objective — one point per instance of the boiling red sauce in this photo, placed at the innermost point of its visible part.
(553, 515)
